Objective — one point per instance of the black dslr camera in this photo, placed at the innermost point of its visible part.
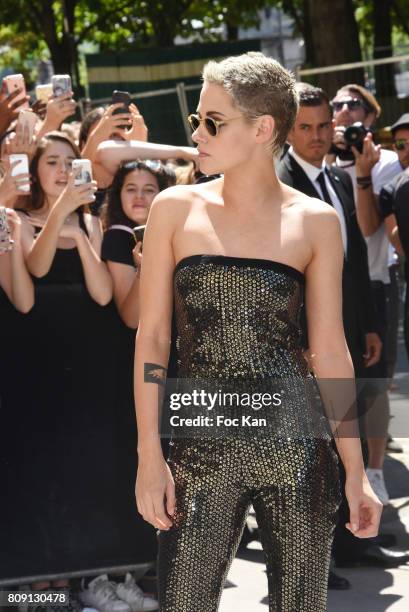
(354, 136)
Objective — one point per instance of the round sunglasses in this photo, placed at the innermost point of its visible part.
(212, 125)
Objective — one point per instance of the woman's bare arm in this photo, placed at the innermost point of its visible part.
(112, 153)
(126, 292)
(97, 278)
(14, 277)
(154, 481)
(332, 364)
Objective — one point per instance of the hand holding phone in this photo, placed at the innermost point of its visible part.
(13, 82)
(20, 168)
(27, 120)
(139, 232)
(82, 169)
(124, 98)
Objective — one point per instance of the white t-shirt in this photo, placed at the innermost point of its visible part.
(384, 171)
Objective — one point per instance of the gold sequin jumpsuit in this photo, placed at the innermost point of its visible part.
(238, 319)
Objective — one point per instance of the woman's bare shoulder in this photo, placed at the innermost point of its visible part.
(181, 198)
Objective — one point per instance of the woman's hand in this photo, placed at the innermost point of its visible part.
(137, 256)
(155, 487)
(75, 196)
(14, 222)
(365, 509)
(10, 186)
(191, 154)
(59, 109)
(110, 123)
(138, 131)
(9, 106)
(21, 142)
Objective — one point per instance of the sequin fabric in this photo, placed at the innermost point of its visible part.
(238, 319)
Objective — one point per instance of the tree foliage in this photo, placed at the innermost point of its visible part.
(60, 26)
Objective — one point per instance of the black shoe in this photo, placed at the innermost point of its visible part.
(385, 539)
(378, 556)
(338, 583)
(392, 446)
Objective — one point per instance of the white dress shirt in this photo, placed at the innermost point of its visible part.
(313, 173)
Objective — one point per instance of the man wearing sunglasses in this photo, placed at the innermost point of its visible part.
(370, 169)
(394, 204)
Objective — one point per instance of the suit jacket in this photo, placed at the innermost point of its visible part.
(358, 309)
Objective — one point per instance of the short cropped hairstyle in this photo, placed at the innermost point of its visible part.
(259, 86)
(370, 102)
(308, 95)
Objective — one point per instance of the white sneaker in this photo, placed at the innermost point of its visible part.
(134, 596)
(377, 482)
(101, 594)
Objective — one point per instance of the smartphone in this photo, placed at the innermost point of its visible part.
(43, 92)
(124, 98)
(16, 81)
(21, 168)
(139, 232)
(6, 242)
(28, 120)
(61, 84)
(82, 169)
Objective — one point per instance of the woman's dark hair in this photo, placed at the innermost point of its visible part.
(112, 211)
(36, 200)
(88, 123)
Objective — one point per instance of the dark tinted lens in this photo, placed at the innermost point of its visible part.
(211, 126)
(352, 104)
(400, 144)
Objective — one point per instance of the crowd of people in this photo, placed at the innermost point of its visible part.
(70, 260)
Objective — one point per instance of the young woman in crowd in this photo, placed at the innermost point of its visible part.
(232, 257)
(130, 197)
(62, 242)
(60, 385)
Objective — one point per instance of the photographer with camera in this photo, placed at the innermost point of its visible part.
(370, 167)
(393, 204)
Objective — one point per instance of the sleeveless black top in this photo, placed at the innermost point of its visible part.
(66, 268)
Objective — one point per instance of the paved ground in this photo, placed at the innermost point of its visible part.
(373, 589)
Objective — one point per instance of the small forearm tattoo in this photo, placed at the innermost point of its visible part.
(154, 373)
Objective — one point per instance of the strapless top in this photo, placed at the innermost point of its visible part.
(238, 318)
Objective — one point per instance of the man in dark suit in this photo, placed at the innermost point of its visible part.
(303, 167)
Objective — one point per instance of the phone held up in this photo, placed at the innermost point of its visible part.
(28, 120)
(16, 81)
(138, 232)
(82, 170)
(61, 84)
(124, 98)
(43, 92)
(20, 168)
(6, 242)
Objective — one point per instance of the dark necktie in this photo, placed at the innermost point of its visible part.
(325, 195)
